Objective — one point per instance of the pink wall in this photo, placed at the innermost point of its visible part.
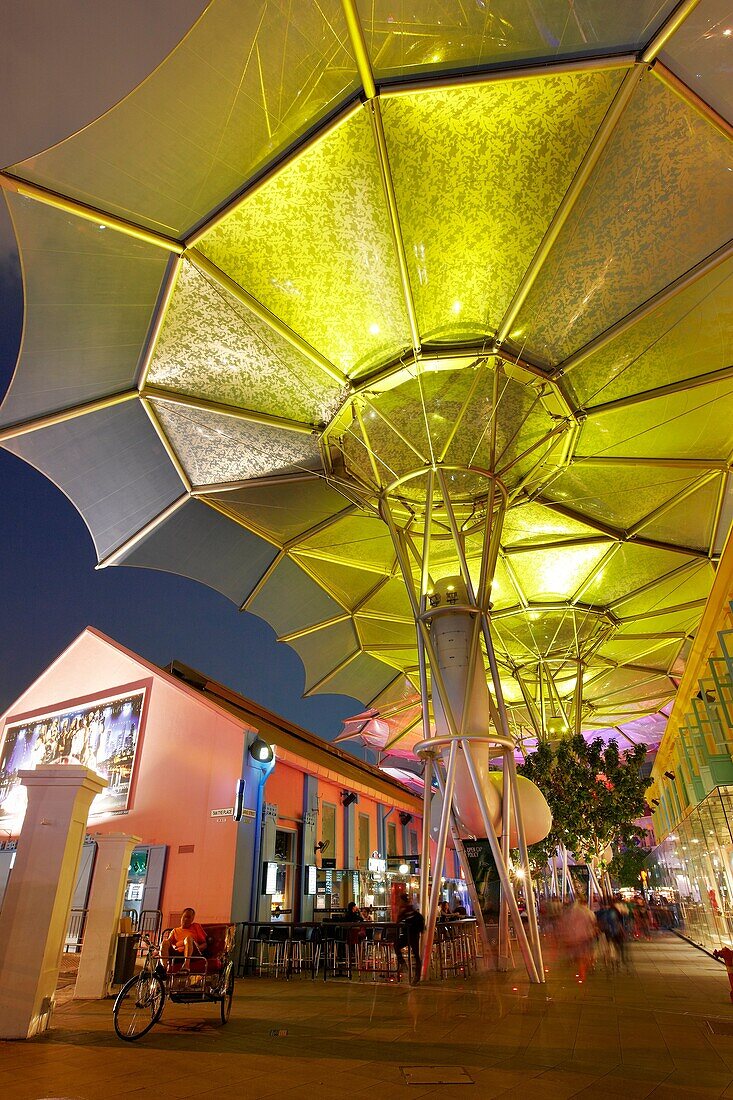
(189, 758)
(285, 789)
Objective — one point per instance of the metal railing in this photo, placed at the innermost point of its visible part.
(150, 923)
(341, 949)
(75, 930)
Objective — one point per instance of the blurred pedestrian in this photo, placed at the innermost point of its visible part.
(410, 926)
(578, 933)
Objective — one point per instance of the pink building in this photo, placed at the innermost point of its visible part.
(235, 836)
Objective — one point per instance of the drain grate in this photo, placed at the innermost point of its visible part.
(720, 1027)
(436, 1075)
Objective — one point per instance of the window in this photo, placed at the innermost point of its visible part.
(413, 842)
(328, 828)
(364, 846)
(391, 839)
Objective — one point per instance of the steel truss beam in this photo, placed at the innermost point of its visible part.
(687, 279)
(24, 427)
(592, 156)
(684, 384)
(673, 82)
(172, 397)
(616, 534)
(9, 182)
(206, 266)
(129, 544)
(668, 28)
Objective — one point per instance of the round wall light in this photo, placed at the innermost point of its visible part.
(260, 751)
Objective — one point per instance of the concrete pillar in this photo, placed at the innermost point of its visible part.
(267, 855)
(36, 909)
(350, 836)
(309, 839)
(248, 828)
(103, 914)
(382, 815)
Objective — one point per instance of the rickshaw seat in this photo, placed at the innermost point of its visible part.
(220, 939)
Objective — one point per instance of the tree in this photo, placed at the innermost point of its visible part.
(595, 794)
(627, 863)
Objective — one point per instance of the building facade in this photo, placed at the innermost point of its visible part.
(294, 835)
(692, 791)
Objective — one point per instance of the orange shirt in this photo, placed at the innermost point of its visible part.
(195, 930)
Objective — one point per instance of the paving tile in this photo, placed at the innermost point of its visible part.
(636, 1033)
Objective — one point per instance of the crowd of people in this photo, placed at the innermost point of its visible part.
(584, 935)
(588, 935)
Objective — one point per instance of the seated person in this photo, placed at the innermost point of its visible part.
(186, 940)
(352, 912)
(444, 913)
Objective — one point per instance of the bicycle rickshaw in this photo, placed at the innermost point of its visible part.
(209, 978)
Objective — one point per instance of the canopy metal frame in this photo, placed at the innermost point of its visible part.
(415, 552)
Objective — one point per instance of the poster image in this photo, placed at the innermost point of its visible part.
(580, 879)
(103, 735)
(485, 876)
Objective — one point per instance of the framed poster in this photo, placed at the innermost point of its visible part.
(580, 879)
(485, 876)
(102, 734)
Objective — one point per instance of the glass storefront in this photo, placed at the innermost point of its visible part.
(692, 871)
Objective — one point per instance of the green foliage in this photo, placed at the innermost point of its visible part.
(595, 794)
(627, 863)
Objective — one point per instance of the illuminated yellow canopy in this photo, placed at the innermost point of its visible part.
(327, 246)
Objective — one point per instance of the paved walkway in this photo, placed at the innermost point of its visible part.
(648, 1031)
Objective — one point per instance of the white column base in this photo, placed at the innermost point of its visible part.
(103, 913)
(36, 910)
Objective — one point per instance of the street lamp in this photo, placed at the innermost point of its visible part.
(260, 751)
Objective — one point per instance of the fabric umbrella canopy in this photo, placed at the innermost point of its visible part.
(324, 249)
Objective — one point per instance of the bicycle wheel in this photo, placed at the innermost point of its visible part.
(138, 1006)
(227, 997)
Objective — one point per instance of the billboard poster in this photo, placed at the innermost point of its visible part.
(485, 876)
(103, 735)
(580, 879)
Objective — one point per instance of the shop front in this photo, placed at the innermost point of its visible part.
(690, 874)
(264, 821)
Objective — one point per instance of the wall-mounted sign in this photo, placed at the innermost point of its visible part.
(376, 865)
(270, 878)
(103, 735)
(226, 811)
(239, 799)
(247, 815)
(330, 863)
(311, 873)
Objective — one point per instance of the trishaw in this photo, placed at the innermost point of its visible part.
(207, 977)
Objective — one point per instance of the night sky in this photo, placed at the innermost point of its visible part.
(50, 589)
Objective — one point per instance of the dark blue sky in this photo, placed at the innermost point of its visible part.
(51, 591)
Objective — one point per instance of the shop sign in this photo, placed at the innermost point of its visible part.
(227, 811)
(270, 878)
(311, 878)
(376, 865)
(330, 863)
(8, 845)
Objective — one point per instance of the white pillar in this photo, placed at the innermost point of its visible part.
(38, 899)
(103, 914)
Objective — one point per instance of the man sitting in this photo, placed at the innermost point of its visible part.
(186, 940)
